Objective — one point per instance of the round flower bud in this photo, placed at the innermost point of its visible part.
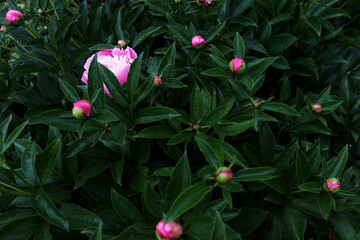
(157, 81)
(41, 11)
(316, 108)
(82, 109)
(196, 126)
(223, 175)
(13, 15)
(122, 43)
(237, 66)
(256, 104)
(178, 1)
(332, 185)
(2, 29)
(198, 42)
(168, 231)
(207, 3)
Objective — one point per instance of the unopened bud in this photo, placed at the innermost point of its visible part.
(82, 109)
(198, 42)
(168, 231)
(237, 66)
(332, 185)
(223, 175)
(157, 81)
(256, 104)
(316, 108)
(122, 43)
(196, 126)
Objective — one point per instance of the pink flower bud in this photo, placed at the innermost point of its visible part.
(157, 81)
(256, 104)
(168, 231)
(198, 42)
(82, 109)
(196, 126)
(2, 29)
(332, 185)
(316, 108)
(41, 11)
(207, 3)
(122, 43)
(237, 66)
(12, 16)
(223, 175)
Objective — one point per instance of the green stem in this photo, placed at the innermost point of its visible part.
(16, 193)
(75, 43)
(14, 188)
(31, 31)
(74, 3)
(53, 6)
(26, 55)
(18, 43)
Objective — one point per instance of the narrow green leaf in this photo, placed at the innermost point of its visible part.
(302, 167)
(323, 95)
(325, 203)
(13, 136)
(144, 90)
(47, 159)
(154, 114)
(28, 164)
(156, 132)
(179, 34)
(218, 231)
(95, 82)
(92, 169)
(153, 202)
(125, 209)
(79, 218)
(196, 106)
(208, 151)
(47, 210)
(339, 163)
(106, 116)
(255, 174)
(143, 35)
(167, 63)
(257, 67)
(180, 137)
(267, 143)
(3, 129)
(220, 112)
(214, 31)
(215, 72)
(239, 46)
(312, 187)
(69, 91)
(281, 108)
(187, 200)
(133, 79)
(232, 129)
(296, 222)
(97, 235)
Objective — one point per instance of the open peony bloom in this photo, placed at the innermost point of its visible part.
(198, 42)
(82, 109)
(332, 185)
(237, 66)
(169, 231)
(116, 60)
(223, 175)
(13, 15)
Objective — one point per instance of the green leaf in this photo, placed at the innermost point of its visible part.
(220, 61)
(312, 187)
(255, 174)
(113, 85)
(215, 72)
(91, 169)
(281, 42)
(154, 114)
(220, 112)
(180, 180)
(106, 116)
(153, 202)
(116, 134)
(227, 196)
(180, 137)
(323, 95)
(239, 46)
(339, 164)
(196, 106)
(281, 108)
(209, 152)
(47, 159)
(241, 90)
(302, 167)
(167, 63)
(257, 67)
(95, 82)
(43, 233)
(315, 24)
(43, 205)
(240, 6)
(28, 164)
(15, 214)
(232, 129)
(144, 89)
(267, 143)
(248, 220)
(18, 230)
(125, 209)
(187, 200)
(295, 221)
(143, 35)
(325, 203)
(179, 34)
(215, 30)
(4, 128)
(13, 136)
(133, 79)
(69, 91)
(232, 155)
(97, 235)
(218, 230)
(79, 218)
(156, 132)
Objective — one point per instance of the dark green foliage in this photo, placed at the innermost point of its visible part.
(139, 158)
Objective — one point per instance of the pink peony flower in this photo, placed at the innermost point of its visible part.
(332, 185)
(316, 108)
(223, 175)
(157, 81)
(237, 66)
(12, 16)
(116, 60)
(198, 42)
(2, 29)
(82, 109)
(169, 231)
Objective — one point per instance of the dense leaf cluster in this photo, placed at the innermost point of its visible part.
(138, 159)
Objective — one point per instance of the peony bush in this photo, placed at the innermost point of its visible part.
(181, 119)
